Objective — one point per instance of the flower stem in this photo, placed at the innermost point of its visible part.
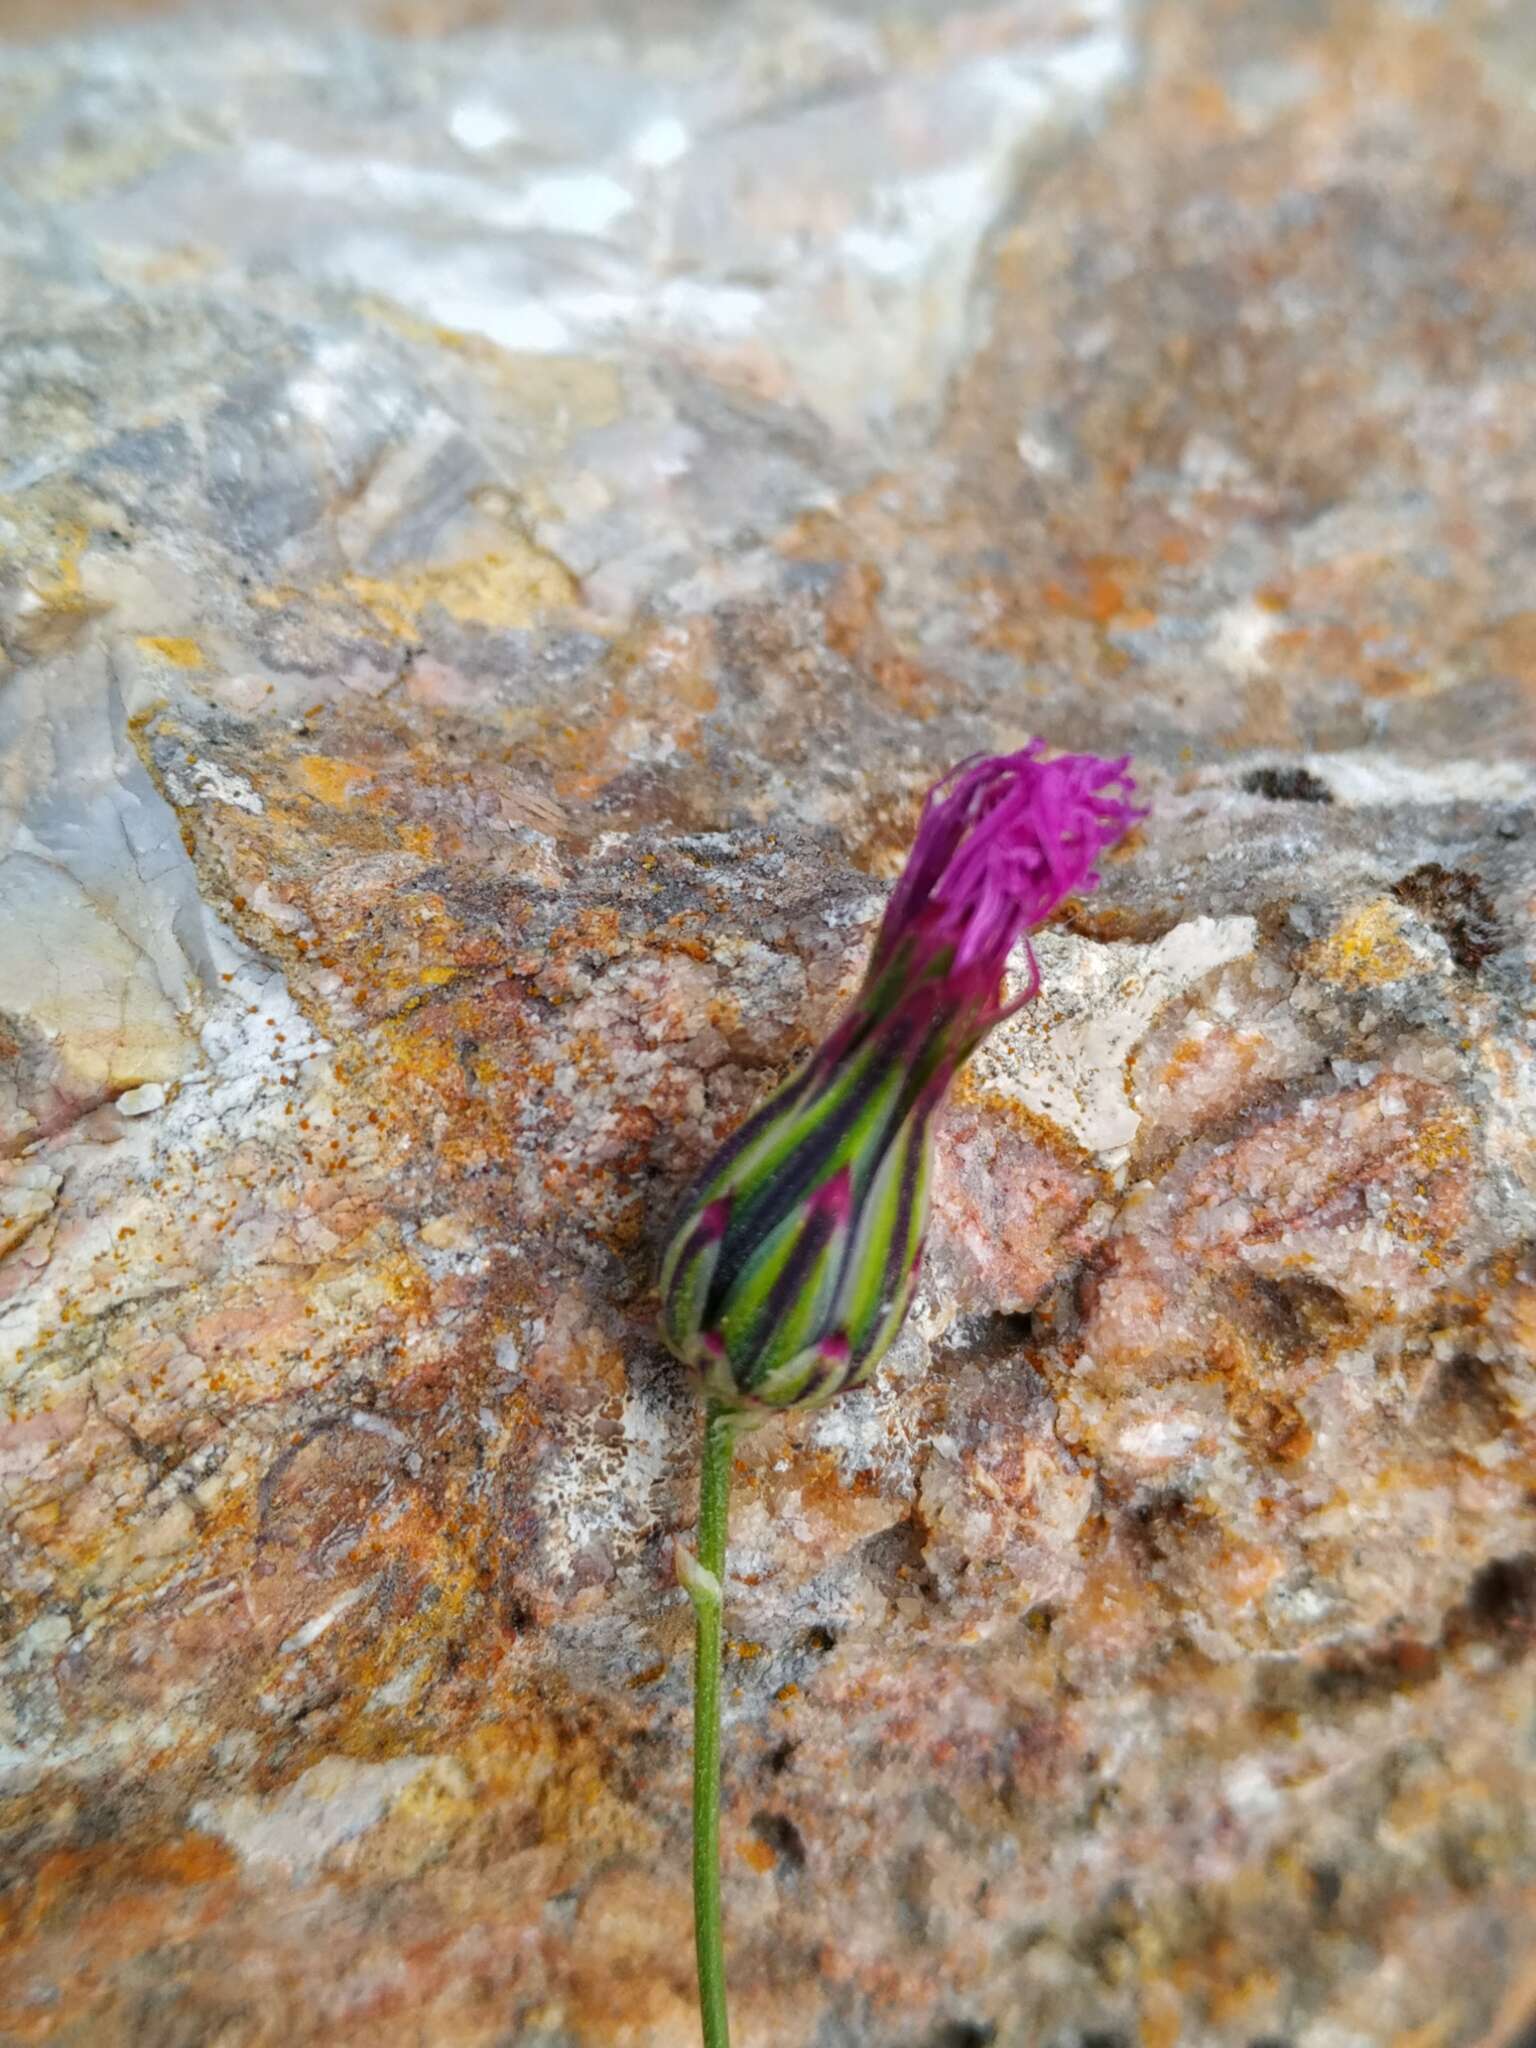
(705, 1581)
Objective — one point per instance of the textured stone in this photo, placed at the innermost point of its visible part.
(501, 515)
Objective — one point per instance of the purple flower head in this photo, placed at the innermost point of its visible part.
(1002, 841)
(794, 1260)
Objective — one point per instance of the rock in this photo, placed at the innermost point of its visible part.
(502, 513)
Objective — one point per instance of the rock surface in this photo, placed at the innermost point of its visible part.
(500, 517)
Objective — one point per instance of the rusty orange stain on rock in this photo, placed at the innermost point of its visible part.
(331, 780)
(1096, 597)
(855, 630)
(92, 1880)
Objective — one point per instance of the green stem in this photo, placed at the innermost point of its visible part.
(706, 1584)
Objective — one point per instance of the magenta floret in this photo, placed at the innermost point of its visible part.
(1001, 842)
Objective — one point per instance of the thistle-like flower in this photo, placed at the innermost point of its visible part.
(796, 1256)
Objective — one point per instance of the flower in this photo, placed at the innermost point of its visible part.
(795, 1258)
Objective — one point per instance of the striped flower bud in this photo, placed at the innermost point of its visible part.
(795, 1258)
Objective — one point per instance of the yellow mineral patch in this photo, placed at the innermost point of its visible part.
(181, 265)
(180, 653)
(87, 165)
(514, 586)
(332, 781)
(63, 585)
(1368, 949)
(570, 393)
(56, 604)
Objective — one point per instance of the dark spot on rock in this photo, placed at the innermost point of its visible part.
(779, 1758)
(895, 1561)
(964, 2034)
(1457, 905)
(1157, 1521)
(1287, 786)
(819, 1639)
(1376, 1672)
(1341, 1679)
(1106, 2037)
(1464, 1405)
(1500, 1606)
(1292, 1321)
(781, 1835)
(1300, 1314)
(1327, 1888)
(517, 1617)
(1017, 1326)
(305, 1710)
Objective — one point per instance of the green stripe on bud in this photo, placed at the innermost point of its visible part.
(793, 1265)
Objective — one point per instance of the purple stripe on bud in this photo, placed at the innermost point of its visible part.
(712, 1221)
(834, 1198)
